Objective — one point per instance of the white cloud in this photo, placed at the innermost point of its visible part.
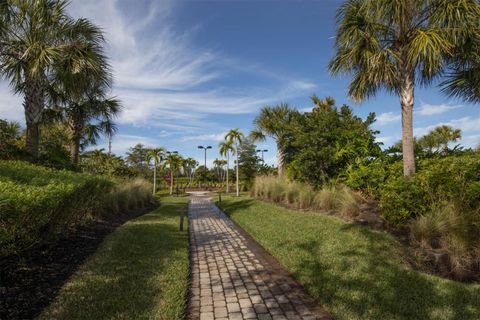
(11, 107)
(385, 139)
(466, 124)
(206, 137)
(432, 109)
(388, 117)
(122, 142)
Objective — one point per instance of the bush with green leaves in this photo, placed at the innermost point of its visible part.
(450, 180)
(40, 203)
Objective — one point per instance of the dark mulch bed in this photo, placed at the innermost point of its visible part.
(31, 280)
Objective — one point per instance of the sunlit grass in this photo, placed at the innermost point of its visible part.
(356, 273)
(139, 272)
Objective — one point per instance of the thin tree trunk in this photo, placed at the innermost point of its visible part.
(76, 128)
(406, 101)
(154, 178)
(33, 106)
(228, 160)
(238, 186)
(171, 181)
(280, 159)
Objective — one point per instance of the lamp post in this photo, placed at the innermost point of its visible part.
(205, 148)
(262, 151)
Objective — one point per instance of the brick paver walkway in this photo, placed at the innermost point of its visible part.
(234, 278)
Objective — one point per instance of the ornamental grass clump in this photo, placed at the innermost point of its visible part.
(447, 238)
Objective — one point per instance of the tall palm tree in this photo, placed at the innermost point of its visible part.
(156, 155)
(40, 35)
(394, 44)
(225, 148)
(174, 162)
(235, 137)
(274, 122)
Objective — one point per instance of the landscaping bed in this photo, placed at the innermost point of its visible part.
(355, 272)
(141, 270)
(31, 280)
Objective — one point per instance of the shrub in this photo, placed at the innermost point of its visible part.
(40, 203)
(450, 180)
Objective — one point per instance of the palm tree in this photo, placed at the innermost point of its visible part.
(235, 137)
(174, 162)
(219, 164)
(189, 165)
(155, 154)
(38, 40)
(225, 148)
(323, 105)
(274, 122)
(394, 44)
(444, 135)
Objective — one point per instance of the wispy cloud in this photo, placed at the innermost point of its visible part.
(206, 137)
(433, 109)
(387, 117)
(164, 80)
(466, 124)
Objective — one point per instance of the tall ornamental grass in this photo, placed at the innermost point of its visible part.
(337, 199)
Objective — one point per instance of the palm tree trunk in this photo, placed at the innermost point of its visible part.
(280, 159)
(407, 77)
(171, 181)
(76, 128)
(33, 105)
(228, 160)
(238, 186)
(154, 178)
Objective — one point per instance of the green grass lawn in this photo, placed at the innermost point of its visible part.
(140, 271)
(355, 273)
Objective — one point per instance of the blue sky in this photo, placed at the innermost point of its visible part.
(188, 71)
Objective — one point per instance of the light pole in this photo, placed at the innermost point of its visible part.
(262, 151)
(205, 148)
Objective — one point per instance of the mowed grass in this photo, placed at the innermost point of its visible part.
(140, 271)
(355, 273)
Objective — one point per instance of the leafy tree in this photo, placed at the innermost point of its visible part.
(395, 44)
(225, 148)
(137, 159)
(99, 162)
(248, 162)
(38, 36)
(328, 142)
(156, 155)
(235, 137)
(10, 140)
(274, 122)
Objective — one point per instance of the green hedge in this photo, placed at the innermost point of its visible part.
(38, 203)
(452, 180)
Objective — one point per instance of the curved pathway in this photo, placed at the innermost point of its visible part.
(235, 278)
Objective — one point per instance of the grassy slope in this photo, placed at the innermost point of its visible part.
(139, 271)
(354, 272)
